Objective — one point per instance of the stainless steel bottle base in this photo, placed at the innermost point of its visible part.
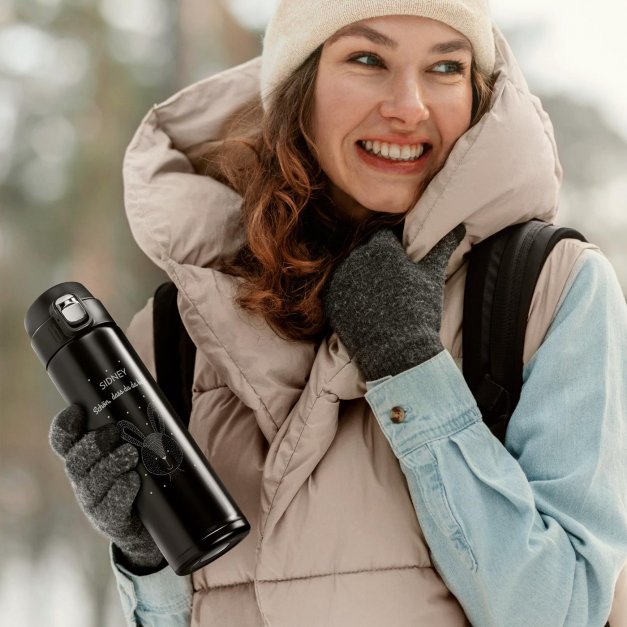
(212, 546)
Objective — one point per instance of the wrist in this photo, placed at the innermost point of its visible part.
(138, 564)
(397, 354)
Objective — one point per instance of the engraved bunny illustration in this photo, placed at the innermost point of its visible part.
(160, 453)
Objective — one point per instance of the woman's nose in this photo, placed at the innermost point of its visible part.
(405, 102)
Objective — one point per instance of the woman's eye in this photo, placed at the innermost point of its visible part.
(449, 67)
(366, 58)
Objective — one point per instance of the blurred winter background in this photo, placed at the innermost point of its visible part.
(76, 77)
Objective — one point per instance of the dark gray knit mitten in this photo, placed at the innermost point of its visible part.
(105, 483)
(386, 309)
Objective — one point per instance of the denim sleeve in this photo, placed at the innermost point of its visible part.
(162, 599)
(533, 533)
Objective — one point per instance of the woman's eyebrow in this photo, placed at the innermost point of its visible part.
(452, 46)
(360, 30)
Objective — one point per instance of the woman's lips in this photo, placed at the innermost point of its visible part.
(393, 167)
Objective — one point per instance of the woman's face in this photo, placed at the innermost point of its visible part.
(392, 96)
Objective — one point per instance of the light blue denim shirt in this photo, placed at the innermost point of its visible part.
(162, 599)
(533, 533)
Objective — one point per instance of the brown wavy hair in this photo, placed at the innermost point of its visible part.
(294, 235)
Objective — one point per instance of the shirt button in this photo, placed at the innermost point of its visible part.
(397, 414)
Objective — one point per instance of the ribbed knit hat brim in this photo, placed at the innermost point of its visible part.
(298, 28)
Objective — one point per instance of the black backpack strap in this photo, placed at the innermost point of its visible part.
(175, 353)
(502, 275)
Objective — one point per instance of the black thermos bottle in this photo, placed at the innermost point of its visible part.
(181, 502)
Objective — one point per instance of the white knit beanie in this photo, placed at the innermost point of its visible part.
(298, 27)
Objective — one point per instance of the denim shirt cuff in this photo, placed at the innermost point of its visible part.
(434, 401)
(161, 592)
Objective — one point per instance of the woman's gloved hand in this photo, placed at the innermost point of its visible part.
(386, 309)
(101, 471)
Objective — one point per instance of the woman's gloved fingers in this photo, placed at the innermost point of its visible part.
(90, 449)
(67, 428)
(437, 258)
(384, 236)
(105, 484)
(383, 246)
(113, 514)
(96, 483)
(366, 263)
(459, 232)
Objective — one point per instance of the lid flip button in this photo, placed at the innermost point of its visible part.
(71, 309)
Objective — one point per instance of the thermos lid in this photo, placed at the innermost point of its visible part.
(39, 311)
(60, 314)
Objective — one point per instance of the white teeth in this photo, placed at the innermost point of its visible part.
(394, 152)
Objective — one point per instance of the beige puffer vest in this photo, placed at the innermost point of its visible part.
(335, 540)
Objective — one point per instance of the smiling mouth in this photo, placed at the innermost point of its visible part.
(394, 153)
(393, 164)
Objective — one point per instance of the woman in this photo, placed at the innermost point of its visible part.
(320, 265)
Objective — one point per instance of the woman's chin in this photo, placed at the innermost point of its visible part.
(386, 206)
(363, 205)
